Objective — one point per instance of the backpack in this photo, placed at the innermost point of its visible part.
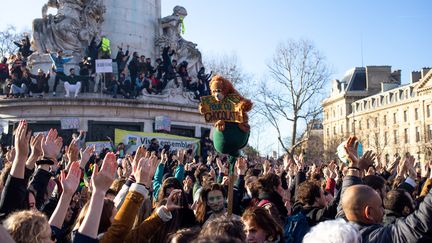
(296, 227)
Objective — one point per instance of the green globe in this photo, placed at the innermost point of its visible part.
(231, 140)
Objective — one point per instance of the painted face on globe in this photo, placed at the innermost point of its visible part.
(215, 200)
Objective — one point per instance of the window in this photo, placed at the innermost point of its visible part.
(328, 132)
(406, 135)
(395, 136)
(429, 132)
(394, 118)
(334, 130)
(416, 113)
(367, 123)
(385, 138)
(428, 111)
(359, 125)
(417, 134)
(341, 129)
(405, 115)
(385, 120)
(376, 121)
(376, 138)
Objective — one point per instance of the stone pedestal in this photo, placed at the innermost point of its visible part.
(133, 22)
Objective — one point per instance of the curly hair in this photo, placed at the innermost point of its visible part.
(27, 226)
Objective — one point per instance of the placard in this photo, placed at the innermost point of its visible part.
(225, 110)
(70, 123)
(163, 123)
(104, 66)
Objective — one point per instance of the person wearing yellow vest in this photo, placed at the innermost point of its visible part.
(106, 50)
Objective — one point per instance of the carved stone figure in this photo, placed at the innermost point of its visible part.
(71, 29)
(171, 36)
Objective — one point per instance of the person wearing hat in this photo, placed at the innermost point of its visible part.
(41, 82)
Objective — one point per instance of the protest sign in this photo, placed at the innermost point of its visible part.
(70, 123)
(225, 110)
(163, 123)
(104, 66)
(100, 145)
(135, 139)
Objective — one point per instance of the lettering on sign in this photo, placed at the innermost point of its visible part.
(226, 110)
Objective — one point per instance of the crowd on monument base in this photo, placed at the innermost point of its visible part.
(135, 75)
(72, 194)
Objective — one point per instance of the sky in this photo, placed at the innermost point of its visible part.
(395, 33)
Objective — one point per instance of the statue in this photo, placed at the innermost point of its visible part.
(171, 36)
(71, 29)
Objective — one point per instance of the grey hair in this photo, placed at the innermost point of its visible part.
(332, 231)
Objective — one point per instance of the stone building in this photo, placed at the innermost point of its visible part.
(313, 147)
(386, 116)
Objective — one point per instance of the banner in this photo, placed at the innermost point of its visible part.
(100, 145)
(226, 110)
(133, 140)
(104, 66)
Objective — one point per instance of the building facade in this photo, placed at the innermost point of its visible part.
(313, 147)
(387, 117)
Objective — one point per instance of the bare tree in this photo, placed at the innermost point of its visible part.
(229, 67)
(299, 73)
(7, 37)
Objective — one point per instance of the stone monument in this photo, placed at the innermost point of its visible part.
(136, 23)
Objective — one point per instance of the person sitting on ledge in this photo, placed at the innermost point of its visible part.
(41, 85)
(72, 83)
(18, 87)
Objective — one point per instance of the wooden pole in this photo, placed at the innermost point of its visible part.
(232, 161)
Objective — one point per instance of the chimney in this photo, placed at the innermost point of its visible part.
(424, 71)
(396, 76)
(415, 76)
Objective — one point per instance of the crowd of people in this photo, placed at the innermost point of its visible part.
(135, 75)
(51, 192)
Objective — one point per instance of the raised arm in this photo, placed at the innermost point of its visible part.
(69, 185)
(14, 192)
(101, 181)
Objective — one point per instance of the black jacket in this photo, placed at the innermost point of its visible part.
(413, 228)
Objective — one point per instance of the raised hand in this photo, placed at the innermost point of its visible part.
(175, 196)
(140, 153)
(366, 160)
(10, 155)
(142, 172)
(220, 166)
(241, 166)
(51, 145)
(36, 145)
(72, 151)
(181, 156)
(266, 167)
(164, 156)
(85, 155)
(22, 139)
(351, 150)
(71, 181)
(102, 180)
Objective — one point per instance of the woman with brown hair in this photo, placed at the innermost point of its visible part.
(260, 226)
(270, 196)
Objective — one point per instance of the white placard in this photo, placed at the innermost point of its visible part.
(104, 66)
(70, 123)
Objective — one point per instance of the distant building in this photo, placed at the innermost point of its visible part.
(314, 145)
(386, 116)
